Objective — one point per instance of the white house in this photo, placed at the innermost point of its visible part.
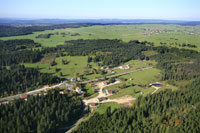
(124, 67)
(78, 90)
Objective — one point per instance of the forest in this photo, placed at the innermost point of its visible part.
(41, 114)
(166, 111)
(19, 51)
(18, 79)
(177, 64)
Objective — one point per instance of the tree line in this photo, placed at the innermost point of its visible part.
(6, 31)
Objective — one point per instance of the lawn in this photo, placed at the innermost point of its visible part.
(102, 108)
(178, 34)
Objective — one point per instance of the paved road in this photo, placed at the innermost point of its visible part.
(11, 98)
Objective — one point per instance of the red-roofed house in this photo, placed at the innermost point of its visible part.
(93, 105)
(23, 96)
(104, 83)
(124, 67)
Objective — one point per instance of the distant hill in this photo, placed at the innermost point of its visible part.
(33, 22)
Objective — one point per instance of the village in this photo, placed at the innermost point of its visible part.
(99, 86)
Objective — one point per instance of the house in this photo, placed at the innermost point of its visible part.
(78, 90)
(93, 105)
(109, 92)
(61, 92)
(131, 79)
(23, 96)
(155, 84)
(102, 99)
(124, 67)
(78, 78)
(73, 79)
(4, 102)
(104, 83)
(110, 71)
(96, 90)
(46, 86)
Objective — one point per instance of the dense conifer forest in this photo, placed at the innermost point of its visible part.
(19, 51)
(41, 114)
(18, 79)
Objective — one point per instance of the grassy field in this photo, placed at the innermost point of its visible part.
(134, 64)
(146, 32)
(77, 65)
(102, 108)
(141, 79)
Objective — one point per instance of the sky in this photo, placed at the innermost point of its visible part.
(101, 9)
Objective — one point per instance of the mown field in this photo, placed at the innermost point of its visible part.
(168, 34)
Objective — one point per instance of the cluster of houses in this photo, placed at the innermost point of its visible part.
(107, 69)
(156, 31)
(75, 79)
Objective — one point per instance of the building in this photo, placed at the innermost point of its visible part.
(46, 86)
(24, 96)
(78, 90)
(61, 92)
(73, 79)
(4, 102)
(124, 67)
(93, 105)
(102, 99)
(104, 83)
(155, 84)
(110, 71)
(108, 92)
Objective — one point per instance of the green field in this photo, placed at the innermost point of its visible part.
(141, 79)
(102, 108)
(146, 32)
(76, 66)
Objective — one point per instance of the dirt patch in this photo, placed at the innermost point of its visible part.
(47, 59)
(124, 101)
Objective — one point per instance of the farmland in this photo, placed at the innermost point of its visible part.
(169, 35)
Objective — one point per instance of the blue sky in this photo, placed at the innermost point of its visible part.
(98, 9)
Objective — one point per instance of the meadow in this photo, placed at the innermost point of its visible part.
(170, 35)
(141, 81)
(76, 66)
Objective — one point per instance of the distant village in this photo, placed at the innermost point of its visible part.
(148, 32)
